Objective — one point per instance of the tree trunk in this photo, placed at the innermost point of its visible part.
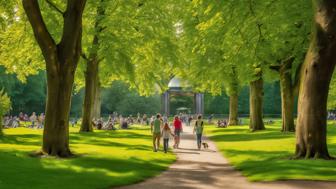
(61, 62)
(233, 117)
(287, 98)
(90, 93)
(256, 105)
(97, 101)
(311, 141)
(56, 131)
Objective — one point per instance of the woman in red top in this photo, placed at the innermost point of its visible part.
(177, 131)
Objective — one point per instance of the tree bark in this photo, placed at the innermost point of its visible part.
(287, 97)
(90, 93)
(61, 63)
(311, 141)
(97, 101)
(256, 105)
(56, 131)
(233, 93)
(233, 117)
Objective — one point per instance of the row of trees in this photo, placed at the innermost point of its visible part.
(232, 44)
(130, 41)
(30, 97)
(216, 46)
(236, 44)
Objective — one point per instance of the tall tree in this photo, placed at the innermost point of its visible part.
(61, 61)
(92, 86)
(292, 40)
(317, 71)
(128, 45)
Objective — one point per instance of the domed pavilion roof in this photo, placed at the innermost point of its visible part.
(177, 83)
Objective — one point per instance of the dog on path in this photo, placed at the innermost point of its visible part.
(205, 145)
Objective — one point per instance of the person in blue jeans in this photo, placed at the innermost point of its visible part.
(198, 129)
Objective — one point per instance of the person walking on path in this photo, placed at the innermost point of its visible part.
(166, 133)
(177, 131)
(156, 130)
(198, 128)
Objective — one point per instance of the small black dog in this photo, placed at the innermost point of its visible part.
(205, 145)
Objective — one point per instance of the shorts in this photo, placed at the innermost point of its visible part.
(177, 132)
(156, 135)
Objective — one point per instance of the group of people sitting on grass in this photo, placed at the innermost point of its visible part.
(332, 115)
(222, 123)
(161, 128)
(33, 121)
(123, 122)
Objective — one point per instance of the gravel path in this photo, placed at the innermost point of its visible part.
(208, 169)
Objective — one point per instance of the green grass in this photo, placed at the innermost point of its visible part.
(107, 159)
(264, 155)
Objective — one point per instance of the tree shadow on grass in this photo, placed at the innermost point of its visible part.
(22, 172)
(22, 139)
(88, 171)
(276, 165)
(255, 136)
(113, 134)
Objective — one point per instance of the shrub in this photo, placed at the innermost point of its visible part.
(5, 105)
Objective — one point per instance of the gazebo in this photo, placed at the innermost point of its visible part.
(178, 87)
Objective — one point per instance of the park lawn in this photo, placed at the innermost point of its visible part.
(106, 159)
(264, 155)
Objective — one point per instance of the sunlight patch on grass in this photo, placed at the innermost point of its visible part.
(106, 159)
(264, 155)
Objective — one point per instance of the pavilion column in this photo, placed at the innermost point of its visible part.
(199, 102)
(165, 103)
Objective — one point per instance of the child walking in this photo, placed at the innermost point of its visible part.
(166, 133)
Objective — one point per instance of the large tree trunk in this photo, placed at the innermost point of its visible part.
(256, 105)
(233, 93)
(90, 93)
(61, 63)
(233, 117)
(287, 97)
(311, 141)
(56, 131)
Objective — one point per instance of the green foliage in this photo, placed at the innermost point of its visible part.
(229, 43)
(5, 105)
(136, 43)
(26, 97)
(18, 51)
(119, 98)
(332, 93)
(272, 102)
(179, 102)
